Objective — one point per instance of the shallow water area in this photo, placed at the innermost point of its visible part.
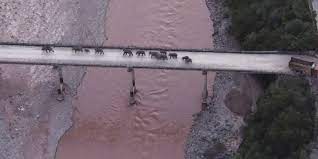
(105, 126)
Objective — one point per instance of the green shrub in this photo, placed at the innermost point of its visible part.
(273, 24)
(283, 123)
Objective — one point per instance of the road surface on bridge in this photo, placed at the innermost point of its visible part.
(211, 61)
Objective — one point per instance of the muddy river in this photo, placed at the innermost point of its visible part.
(104, 125)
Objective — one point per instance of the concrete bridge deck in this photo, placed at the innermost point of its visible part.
(210, 61)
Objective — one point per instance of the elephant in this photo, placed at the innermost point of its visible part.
(77, 49)
(99, 51)
(127, 52)
(140, 53)
(173, 55)
(47, 48)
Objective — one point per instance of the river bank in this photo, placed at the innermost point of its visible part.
(216, 132)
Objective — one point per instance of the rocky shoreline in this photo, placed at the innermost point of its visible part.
(314, 145)
(216, 132)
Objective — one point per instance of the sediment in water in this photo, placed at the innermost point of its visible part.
(105, 126)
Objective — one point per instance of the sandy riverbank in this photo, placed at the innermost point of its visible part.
(31, 120)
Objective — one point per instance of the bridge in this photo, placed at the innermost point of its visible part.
(272, 62)
(266, 62)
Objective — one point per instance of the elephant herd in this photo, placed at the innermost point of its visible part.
(159, 55)
(76, 49)
(80, 49)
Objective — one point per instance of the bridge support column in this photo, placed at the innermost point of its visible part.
(205, 89)
(133, 89)
(61, 89)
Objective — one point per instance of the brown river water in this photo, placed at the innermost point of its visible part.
(105, 127)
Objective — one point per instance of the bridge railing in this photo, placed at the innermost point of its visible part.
(313, 53)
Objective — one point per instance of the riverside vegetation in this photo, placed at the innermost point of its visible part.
(273, 24)
(283, 123)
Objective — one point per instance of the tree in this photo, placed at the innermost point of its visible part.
(273, 24)
(283, 123)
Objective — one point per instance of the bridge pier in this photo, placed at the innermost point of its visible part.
(61, 89)
(205, 89)
(133, 89)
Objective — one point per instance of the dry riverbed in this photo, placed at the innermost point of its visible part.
(31, 120)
